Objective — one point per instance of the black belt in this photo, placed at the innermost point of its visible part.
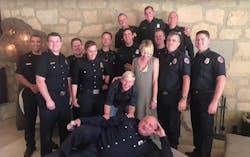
(60, 93)
(169, 92)
(202, 91)
(93, 91)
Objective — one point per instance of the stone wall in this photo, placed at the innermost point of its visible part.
(227, 21)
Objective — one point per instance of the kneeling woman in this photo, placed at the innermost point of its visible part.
(122, 96)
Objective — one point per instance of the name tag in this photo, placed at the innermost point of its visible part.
(28, 63)
(96, 91)
(52, 63)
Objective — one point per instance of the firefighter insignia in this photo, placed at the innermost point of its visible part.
(186, 60)
(207, 60)
(220, 59)
(174, 61)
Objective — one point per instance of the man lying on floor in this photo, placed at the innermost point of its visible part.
(119, 136)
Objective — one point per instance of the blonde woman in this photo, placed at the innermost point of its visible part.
(146, 69)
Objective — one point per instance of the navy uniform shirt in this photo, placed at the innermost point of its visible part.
(121, 99)
(147, 30)
(206, 67)
(173, 66)
(26, 66)
(186, 43)
(55, 70)
(89, 74)
(119, 137)
(126, 55)
(72, 61)
(109, 58)
(119, 42)
(159, 52)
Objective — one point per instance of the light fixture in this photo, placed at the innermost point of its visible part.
(11, 32)
(25, 37)
(11, 49)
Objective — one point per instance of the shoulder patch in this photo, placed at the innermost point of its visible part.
(186, 60)
(220, 59)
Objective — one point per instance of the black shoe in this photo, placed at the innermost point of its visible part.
(29, 151)
(54, 145)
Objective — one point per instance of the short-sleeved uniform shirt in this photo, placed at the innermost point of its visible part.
(27, 65)
(147, 30)
(72, 61)
(109, 58)
(55, 70)
(206, 67)
(126, 55)
(89, 73)
(173, 66)
(159, 52)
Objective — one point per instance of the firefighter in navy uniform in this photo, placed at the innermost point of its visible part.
(186, 42)
(148, 26)
(25, 73)
(208, 79)
(123, 23)
(174, 81)
(160, 47)
(52, 78)
(126, 54)
(108, 55)
(119, 136)
(92, 75)
(78, 53)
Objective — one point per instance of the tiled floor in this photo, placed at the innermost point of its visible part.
(12, 142)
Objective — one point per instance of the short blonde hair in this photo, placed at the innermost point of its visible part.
(129, 75)
(147, 47)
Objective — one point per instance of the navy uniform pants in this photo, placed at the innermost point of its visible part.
(30, 112)
(48, 119)
(82, 142)
(202, 124)
(90, 104)
(169, 116)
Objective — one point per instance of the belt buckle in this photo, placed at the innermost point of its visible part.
(96, 91)
(62, 93)
(164, 93)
